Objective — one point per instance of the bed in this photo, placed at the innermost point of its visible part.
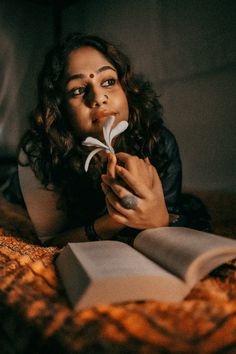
(35, 316)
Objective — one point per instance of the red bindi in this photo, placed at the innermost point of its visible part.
(91, 75)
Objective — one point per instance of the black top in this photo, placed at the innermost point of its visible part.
(184, 210)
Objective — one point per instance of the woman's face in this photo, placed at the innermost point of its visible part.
(93, 92)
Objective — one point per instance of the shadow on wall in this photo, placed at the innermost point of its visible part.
(9, 126)
(25, 33)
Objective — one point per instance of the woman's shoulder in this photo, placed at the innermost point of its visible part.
(22, 158)
(169, 142)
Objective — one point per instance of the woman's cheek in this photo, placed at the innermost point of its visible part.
(76, 122)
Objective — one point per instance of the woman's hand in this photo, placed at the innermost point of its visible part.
(139, 178)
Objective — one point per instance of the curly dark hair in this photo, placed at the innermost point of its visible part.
(55, 153)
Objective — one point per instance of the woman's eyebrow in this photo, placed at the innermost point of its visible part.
(83, 76)
(104, 68)
(74, 77)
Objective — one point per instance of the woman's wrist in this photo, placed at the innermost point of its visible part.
(90, 232)
(107, 228)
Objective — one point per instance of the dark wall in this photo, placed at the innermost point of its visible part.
(188, 50)
(25, 32)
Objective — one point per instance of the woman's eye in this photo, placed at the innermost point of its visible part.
(78, 91)
(109, 82)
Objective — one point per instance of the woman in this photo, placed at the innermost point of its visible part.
(84, 81)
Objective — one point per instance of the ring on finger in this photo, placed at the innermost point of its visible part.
(129, 201)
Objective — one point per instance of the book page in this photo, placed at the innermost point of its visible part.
(111, 272)
(103, 259)
(188, 253)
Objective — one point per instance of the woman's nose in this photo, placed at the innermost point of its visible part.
(96, 98)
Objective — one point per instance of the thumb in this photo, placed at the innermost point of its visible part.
(111, 164)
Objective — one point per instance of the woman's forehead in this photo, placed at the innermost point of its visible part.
(85, 60)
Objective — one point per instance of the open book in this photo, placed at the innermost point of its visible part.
(164, 265)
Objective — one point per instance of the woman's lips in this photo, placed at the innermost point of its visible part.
(101, 115)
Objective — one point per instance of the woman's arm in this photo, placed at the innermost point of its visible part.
(41, 205)
(105, 227)
(49, 222)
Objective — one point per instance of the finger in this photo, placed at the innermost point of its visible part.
(110, 195)
(116, 186)
(104, 188)
(136, 166)
(126, 160)
(121, 205)
(122, 156)
(111, 164)
(107, 179)
(147, 160)
(133, 183)
(122, 219)
(111, 198)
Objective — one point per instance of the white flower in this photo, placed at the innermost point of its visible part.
(108, 134)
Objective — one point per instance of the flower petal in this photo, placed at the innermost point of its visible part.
(120, 128)
(107, 128)
(89, 158)
(90, 141)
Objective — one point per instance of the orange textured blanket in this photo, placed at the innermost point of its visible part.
(35, 316)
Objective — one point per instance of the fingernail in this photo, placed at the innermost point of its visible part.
(110, 157)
